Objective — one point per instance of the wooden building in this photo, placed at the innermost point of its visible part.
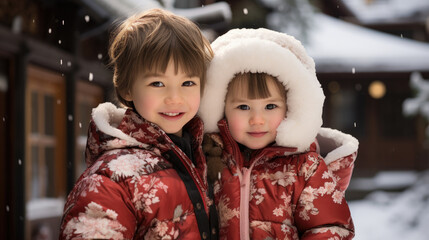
(52, 72)
(389, 140)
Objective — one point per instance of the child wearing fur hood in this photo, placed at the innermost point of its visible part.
(271, 181)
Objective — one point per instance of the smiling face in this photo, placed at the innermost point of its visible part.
(254, 122)
(170, 99)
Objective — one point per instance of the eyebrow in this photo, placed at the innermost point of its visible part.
(146, 75)
(238, 100)
(160, 74)
(269, 99)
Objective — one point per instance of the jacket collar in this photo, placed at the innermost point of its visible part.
(115, 128)
(151, 134)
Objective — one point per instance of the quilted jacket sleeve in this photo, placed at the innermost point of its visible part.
(342, 170)
(322, 211)
(98, 208)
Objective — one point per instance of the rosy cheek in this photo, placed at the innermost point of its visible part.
(147, 102)
(236, 126)
(278, 123)
(196, 101)
(275, 124)
(145, 105)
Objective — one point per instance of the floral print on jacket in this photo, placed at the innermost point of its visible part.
(130, 189)
(273, 193)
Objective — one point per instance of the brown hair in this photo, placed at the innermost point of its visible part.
(145, 43)
(254, 85)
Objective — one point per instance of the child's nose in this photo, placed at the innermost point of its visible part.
(173, 97)
(256, 119)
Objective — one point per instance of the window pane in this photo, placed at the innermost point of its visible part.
(34, 112)
(392, 122)
(49, 115)
(35, 180)
(50, 171)
(348, 111)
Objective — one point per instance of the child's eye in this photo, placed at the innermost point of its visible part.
(243, 107)
(270, 106)
(157, 84)
(188, 83)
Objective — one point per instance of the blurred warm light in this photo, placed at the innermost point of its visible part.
(377, 89)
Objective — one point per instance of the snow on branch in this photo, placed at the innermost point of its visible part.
(420, 103)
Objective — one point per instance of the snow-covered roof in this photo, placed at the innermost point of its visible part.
(335, 45)
(218, 11)
(388, 10)
(338, 46)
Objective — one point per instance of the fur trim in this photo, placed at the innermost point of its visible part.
(280, 55)
(335, 144)
(107, 118)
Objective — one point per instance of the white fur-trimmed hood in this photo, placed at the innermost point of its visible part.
(107, 118)
(280, 55)
(334, 144)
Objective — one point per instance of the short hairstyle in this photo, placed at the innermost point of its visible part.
(254, 85)
(145, 43)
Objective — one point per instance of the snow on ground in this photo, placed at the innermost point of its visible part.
(387, 180)
(387, 215)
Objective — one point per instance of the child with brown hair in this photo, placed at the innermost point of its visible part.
(146, 175)
(270, 181)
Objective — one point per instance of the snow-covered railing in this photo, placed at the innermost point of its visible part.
(215, 12)
(44, 208)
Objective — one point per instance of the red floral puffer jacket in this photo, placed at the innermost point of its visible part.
(276, 194)
(136, 183)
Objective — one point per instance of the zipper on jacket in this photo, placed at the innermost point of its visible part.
(244, 203)
(245, 200)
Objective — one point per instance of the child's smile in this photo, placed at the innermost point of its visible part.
(172, 115)
(257, 134)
